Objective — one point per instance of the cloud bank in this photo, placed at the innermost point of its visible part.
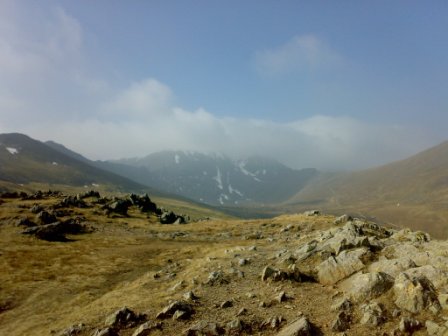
(47, 92)
(301, 53)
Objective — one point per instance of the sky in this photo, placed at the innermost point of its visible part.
(335, 85)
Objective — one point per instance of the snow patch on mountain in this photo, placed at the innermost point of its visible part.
(236, 191)
(12, 150)
(218, 178)
(242, 166)
(177, 159)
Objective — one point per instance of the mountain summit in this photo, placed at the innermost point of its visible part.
(213, 178)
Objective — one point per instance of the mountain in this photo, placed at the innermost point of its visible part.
(214, 179)
(412, 192)
(25, 160)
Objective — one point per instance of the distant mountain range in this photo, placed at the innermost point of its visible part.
(410, 193)
(24, 160)
(214, 179)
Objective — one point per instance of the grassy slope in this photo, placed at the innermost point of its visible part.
(411, 192)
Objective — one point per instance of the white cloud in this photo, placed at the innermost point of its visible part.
(145, 99)
(47, 93)
(301, 53)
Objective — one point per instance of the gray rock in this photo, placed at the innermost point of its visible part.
(204, 328)
(300, 327)
(190, 296)
(226, 304)
(409, 325)
(393, 267)
(180, 315)
(217, 278)
(281, 297)
(415, 294)
(341, 323)
(235, 325)
(342, 219)
(343, 304)
(74, 330)
(274, 274)
(105, 332)
(433, 329)
(242, 311)
(44, 217)
(337, 268)
(146, 328)
(361, 287)
(124, 317)
(312, 213)
(175, 306)
(374, 314)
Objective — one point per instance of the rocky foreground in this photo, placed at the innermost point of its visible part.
(129, 274)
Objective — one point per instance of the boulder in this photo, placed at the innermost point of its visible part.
(342, 219)
(409, 325)
(393, 267)
(204, 328)
(341, 323)
(146, 328)
(44, 217)
(373, 314)
(123, 318)
(337, 268)
(175, 306)
(119, 207)
(361, 287)
(433, 329)
(300, 327)
(415, 294)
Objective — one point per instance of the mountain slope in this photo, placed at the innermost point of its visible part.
(214, 179)
(25, 160)
(412, 192)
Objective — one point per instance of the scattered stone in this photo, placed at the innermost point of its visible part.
(180, 315)
(25, 222)
(243, 261)
(204, 328)
(190, 296)
(216, 278)
(300, 327)
(242, 311)
(44, 217)
(124, 317)
(373, 314)
(36, 208)
(235, 326)
(277, 275)
(105, 332)
(226, 304)
(342, 219)
(342, 305)
(146, 328)
(169, 310)
(312, 213)
(119, 207)
(409, 325)
(341, 323)
(74, 330)
(281, 297)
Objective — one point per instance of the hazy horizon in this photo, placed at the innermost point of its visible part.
(312, 84)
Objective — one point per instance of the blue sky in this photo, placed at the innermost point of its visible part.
(333, 85)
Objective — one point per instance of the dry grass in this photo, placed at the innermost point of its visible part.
(49, 286)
